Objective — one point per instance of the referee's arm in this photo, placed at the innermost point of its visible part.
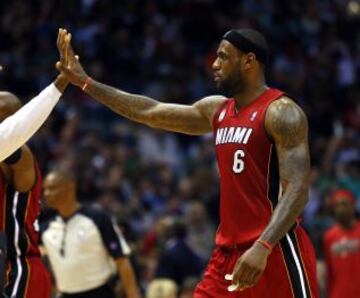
(118, 248)
(127, 276)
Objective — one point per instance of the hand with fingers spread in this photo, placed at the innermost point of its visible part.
(249, 267)
(69, 64)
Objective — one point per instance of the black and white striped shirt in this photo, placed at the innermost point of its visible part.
(82, 249)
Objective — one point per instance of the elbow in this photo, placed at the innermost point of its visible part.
(303, 196)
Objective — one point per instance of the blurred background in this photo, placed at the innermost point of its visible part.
(161, 185)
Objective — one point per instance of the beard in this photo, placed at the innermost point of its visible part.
(231, 85)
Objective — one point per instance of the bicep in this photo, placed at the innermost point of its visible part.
(287, 125)
(24, 173)
(178, 118)
(294, 164)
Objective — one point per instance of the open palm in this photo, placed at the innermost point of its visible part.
(69, 64)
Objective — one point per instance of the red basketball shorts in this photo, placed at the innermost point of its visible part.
(290, 271)
(28, 278)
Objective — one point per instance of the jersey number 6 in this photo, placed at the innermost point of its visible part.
(238, 165)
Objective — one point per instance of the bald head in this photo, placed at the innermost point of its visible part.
(9, 104)
(63, 175)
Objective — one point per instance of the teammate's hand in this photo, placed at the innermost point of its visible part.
(69, 64)
(250, 266)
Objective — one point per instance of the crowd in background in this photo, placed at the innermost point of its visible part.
(163, 187)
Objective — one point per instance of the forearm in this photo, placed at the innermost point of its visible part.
(131, 106)
(285, 214)
(18, 128)
(61, 83)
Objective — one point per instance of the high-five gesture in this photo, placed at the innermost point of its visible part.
(69, 63)
(194, 119)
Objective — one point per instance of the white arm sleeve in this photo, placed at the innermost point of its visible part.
(17, 129)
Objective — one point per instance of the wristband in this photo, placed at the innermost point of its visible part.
(265, 244)
(87, 82)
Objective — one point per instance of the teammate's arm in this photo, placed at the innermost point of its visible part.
(286, 123)
(193, 119)
(18, 128)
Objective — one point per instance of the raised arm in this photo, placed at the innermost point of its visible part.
(286, 123)
(18, 128)
(193, 119)
(189, 119)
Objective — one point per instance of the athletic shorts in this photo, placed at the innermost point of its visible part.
(290, 271)
(28, 278)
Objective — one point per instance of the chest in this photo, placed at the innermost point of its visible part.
(72, 238)
(241, 136)
(346, 245)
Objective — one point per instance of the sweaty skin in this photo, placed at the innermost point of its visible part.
(285, 123)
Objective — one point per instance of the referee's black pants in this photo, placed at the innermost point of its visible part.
(105, 291)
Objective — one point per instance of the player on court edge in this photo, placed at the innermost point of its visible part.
(261, 143)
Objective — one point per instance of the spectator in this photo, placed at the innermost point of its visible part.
(178, 261)
(342, 248)
(162, 288)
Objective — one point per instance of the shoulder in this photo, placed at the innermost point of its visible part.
(285, 105)
(285, 119)
(210, 104)
(211, 101)
(45, 225)
(331, 233)
(97, 214)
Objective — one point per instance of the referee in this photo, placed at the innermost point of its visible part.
(83, 244)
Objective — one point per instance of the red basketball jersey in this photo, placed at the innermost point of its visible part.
(18, 218)
(342, 256)
(248, 168)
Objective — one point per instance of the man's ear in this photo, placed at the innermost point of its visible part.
(248, 60)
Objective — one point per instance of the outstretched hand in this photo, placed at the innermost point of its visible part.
(69, 64)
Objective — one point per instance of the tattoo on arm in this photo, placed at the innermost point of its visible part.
(287, 125)
(123, 103)
(189, 119)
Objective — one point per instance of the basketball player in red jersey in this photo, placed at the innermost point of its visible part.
(342, 248)
(20, 192)
(261, 141)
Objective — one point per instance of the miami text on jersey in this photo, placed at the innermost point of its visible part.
(228, 135)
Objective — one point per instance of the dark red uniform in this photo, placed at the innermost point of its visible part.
(249, 192)
(342, 256)
(26, 275)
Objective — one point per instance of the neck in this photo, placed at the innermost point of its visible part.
(69, 209)
(250, 92)
(348, 224)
